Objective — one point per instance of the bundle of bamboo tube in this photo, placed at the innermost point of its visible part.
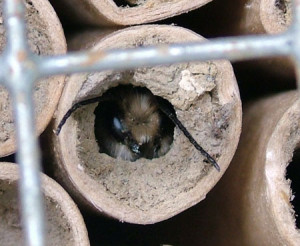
(252, 204)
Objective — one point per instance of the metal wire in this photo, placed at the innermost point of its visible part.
(19, 69)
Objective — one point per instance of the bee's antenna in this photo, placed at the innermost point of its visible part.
(172, 116)
(74, 108)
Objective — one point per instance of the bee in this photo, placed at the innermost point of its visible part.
(132, 123)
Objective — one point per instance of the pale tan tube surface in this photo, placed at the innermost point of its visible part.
(64, 223)
(108, 13)
(264, 17)
(45, 37)
(246, 17)
(268, 17)
(271, 134)
(206, 99)
(251, 204)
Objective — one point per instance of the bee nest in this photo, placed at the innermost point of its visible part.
(64, 223)
(256, 17)
(276, 15)
(206, 100)
(124, 12)
(257, 191)
(45, 37)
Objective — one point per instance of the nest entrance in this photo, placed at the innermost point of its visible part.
(58, 230)
(292, 173)
(283, 9)
(281, 5)
(137, 111)
(128, 3)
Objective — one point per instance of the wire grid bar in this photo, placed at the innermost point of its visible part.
(20, 68)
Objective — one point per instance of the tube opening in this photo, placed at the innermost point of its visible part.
(130, 125)
(283, 13)
(128, 3)
(292, 173)
(281, 5)
(58, 228)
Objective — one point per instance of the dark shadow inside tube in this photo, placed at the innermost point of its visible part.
(293, 173)
(124, 119)
(124, 3)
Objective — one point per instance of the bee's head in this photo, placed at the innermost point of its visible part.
(141, 116)
(129, 124)
(124, 135)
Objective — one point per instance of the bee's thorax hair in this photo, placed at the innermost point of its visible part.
(141, 116)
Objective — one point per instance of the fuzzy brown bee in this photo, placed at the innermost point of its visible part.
(132, 123)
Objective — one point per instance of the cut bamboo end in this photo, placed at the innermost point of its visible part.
(271, 134)
(252, 203)
(283, 142)
(253, 17)
(276, 15)
(64, 223)
(268, 17)
(45, 36)
(132, 12)
(260, 16)
(206, 99)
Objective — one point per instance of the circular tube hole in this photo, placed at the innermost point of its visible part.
(130, 125)
(281, 5)
(292, 173)
(58, 229)
(127, 3)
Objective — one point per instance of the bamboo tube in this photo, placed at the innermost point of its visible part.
(206, 99)
(252, 17)
(268, 17)
(122, 13)
(247, 17)
(64, 223)
(45, 36)
(251, 205)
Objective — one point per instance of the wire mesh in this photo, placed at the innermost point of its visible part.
(20, 68)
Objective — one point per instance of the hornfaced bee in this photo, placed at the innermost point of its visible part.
(131, 123)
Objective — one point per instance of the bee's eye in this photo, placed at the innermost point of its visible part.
(124, 135)
(117, 124)
(119, 130)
